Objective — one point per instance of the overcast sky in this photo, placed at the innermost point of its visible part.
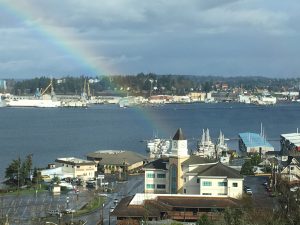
(196, 37)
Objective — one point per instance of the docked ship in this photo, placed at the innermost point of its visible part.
(208, 149)
(40, 100)
(157, 148)
(205, 147)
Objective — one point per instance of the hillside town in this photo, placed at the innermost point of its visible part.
(172, 183)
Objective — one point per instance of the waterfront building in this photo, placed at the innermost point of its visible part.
(71, 167)
(117, 161)
(290, 144)
(254, 143)
(79, 168)
(182, 173)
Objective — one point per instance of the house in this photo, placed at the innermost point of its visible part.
(290, 169)
(182, 173)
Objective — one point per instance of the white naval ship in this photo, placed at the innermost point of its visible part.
(158, 148)
(40, 100)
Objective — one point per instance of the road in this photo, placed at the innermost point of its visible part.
(260, 196)
(135, 184)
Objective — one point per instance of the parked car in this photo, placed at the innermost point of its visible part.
(116, 201)
(53, 212)
(69, 211)
(111, 209)
(248, 191)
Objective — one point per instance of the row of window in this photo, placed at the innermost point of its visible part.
(159, 175)
(158, 186)
(220, 184)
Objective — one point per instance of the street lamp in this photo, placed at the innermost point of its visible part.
(102, 214)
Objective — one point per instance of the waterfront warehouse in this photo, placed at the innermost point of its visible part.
(111, 161)
(290, 144)
(254, 143)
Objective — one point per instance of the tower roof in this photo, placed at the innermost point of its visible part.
(179, 135)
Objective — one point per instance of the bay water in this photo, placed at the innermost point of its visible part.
(63, 132)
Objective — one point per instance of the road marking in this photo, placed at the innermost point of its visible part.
(24, 211)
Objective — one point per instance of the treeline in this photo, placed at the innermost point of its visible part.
(143, 84)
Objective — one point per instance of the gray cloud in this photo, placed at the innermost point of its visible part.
(224, 37)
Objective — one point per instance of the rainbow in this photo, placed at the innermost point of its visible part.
(63, 39)
(68, 43)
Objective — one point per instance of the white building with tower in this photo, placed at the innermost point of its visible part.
(182, 173)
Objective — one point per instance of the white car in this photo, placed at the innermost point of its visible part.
(111, 209)
(248, 191)
(69, 211)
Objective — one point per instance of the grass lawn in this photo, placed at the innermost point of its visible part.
(91, 206)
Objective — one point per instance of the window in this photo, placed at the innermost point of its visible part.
(184, 180)
(234, 184)
(150, 186)
(161, 186)
(206, 193)
(292, 168)
(222, 184)
(206, 183)
(161, 175)
(222, 194)
(184, 191)
(173, 179)
(78, 166)
(150, 175)
(198, 180)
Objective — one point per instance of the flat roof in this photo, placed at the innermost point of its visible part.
(293, 138)
(254, 140)
(116, 157)
(290, 135)
(75, 161)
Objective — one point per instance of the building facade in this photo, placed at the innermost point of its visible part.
(182, 173)
(79, 168)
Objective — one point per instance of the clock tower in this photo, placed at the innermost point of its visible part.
(179, 145)
(179, 153)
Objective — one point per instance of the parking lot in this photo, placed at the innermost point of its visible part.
(261, 197)
(24, 208)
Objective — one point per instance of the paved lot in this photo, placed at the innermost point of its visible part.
(25, 208)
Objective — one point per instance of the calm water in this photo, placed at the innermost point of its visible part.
(52, 133)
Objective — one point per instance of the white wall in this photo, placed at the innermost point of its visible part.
(194, 188)
(155, 181)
